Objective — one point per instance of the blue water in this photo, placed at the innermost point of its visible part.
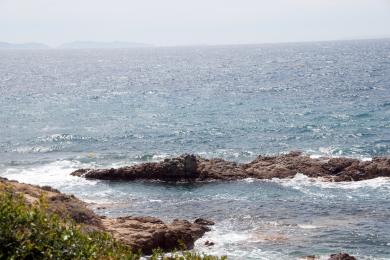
(65, 109)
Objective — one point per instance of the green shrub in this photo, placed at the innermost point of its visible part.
(31, 232)
(183, 255)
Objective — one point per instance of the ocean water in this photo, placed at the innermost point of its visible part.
(65, 109)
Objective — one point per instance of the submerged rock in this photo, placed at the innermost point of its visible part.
(205, 222)
(341, 256)
(194, 168)
(140, 233)
(209, 243)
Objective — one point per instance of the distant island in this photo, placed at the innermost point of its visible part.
(73, 45)
(25, 46)
(102, 45)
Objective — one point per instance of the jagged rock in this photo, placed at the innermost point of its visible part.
(209, 243)
(309, 257)
(192, 168)
(204, 222)
(147, 233)
(341, 256)
(181, 168)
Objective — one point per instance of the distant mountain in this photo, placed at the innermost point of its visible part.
(19, 46)
(102, 45)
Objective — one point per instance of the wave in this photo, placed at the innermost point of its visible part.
(335, 151)
(228, 242)
(36, 149)
(301, 181)
(52, 143)
(55, 174)
(252, 243)
(59, 138)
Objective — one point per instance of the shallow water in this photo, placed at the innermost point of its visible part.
(63, 110)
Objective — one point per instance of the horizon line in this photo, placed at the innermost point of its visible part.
(151, 45)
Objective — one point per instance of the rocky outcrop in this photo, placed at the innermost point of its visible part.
(181, 168)
(148, 233)
(140, 233)
(341, 256)
(194, 168)
(333, 169)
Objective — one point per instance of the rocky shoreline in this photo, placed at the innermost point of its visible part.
(140, 233)
(193, 168)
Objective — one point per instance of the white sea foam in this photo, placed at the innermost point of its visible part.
(301, 181)
(335, 152)
(55, 174)
(158, 157)
(307, 226)
(234, 244)
(159, 201)
(34, 149)
(249, 180)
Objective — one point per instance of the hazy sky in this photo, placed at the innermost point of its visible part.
(178, 22)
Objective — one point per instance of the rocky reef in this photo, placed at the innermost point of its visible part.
(140, 233)
(195, 168)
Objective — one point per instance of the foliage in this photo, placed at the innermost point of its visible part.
(32, 232)
(183, 255)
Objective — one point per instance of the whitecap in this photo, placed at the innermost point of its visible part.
(307, 226)
(300, 181)
(151, 200)
(34, 149)
(55, 174)
(249, 180)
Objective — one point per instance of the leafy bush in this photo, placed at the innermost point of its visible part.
(183, 255)
(31, 232)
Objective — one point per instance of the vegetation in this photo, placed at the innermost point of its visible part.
(32, 232)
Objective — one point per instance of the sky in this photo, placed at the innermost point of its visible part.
(192, 22)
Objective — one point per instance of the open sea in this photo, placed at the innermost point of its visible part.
(61, 110)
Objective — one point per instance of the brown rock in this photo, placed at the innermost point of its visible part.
(209, 243)
(148, 233)
(205, 222)
(175, 169)
(341, 256)
(192, 168)
(309, 257)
